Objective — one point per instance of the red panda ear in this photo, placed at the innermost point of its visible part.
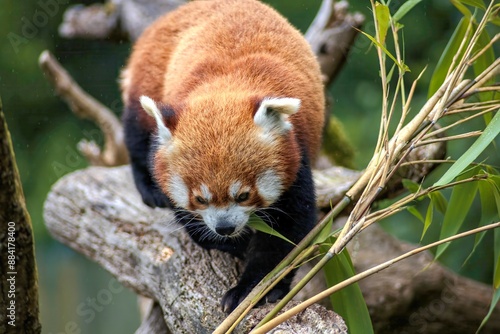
(151, 108)
(272, 113)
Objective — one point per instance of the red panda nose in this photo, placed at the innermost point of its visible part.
(224, 229)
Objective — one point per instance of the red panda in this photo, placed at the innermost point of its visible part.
(224, 109)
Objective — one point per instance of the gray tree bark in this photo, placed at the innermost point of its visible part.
(99, 213)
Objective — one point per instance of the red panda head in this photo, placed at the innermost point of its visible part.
(226, 158)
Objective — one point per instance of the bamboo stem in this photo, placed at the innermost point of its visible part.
(244, 306)
(356, 278)
(449, 138)
(463, 120)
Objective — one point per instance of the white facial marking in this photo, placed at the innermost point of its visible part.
(164, 134)
(269, 186)
(272, 115)
(179, 191)
(235, 215)
(234, 188)
(205, 192)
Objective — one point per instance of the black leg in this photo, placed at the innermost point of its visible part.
(138, 141)
(294, 215)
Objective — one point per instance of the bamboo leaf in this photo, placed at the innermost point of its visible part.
(348, 302)
(428, 219)
(460, 202)
(410, 185)
(494, 302)
(391, 72)
(404, 9)
(494, 180)
(483, 62)
(474, 3)
(488, 135)
(439, 201)
(463, 9)
(402, 66)
(496, 252)
(324, 234)
(446, 59)
(257, 223)
(495, 20)
(488, 211)
(414, 211)
(383, 18)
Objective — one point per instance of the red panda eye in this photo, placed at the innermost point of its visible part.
(242, 197)
(201, 200)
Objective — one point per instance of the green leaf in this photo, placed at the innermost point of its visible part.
(439, 201)
(494, 302)
(463, 9)
(410, 185)
(482, 63)
(383, 18)
(488, 135)
(402, 66)
(446, 59)
(348, 302)
(461, 200)
(258, 224)
(496, 252)
(324, 234)
(474, 3)
(391, 72)
(495, 20)
(428, 219)
(489, 212)
(404, 9)
(414, 211)
(494, 180)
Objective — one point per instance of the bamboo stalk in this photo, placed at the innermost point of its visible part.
(449, 138)
(460, 121)
(302, 257)
(389, 154)
(244, 305)
(483, 50)
(356, 278)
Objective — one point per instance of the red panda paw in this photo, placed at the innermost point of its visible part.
(155, 198)
(235, 296)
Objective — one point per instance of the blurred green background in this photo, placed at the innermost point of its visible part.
(45, 134)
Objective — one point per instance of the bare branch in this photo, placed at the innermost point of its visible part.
(85, 106)
(331, 35)
(148, 252)
(116, 19)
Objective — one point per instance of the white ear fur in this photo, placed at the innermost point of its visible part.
(151, 108)
(273, 113)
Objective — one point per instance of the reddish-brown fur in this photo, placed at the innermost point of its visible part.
(213, 62)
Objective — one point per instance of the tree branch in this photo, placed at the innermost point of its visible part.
(99, 213)
(331, 35)
(18, 277)
(148, 252)
(85, 106)
(115, 19)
